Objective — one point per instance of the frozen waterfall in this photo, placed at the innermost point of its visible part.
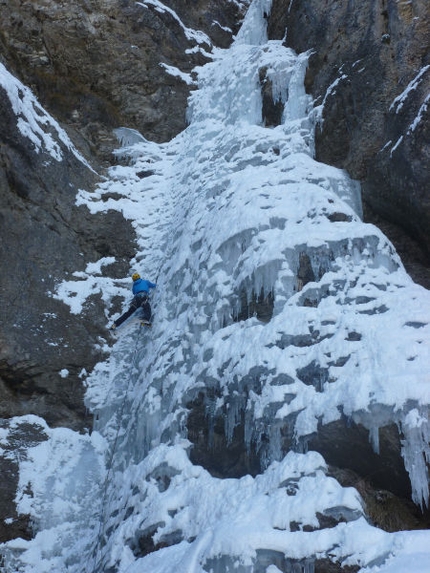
(277, 311)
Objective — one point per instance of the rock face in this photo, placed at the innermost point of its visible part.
(370, 71)
(102, 64)
(16, 439)
(46, 237)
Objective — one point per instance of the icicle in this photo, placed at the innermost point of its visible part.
(127, 136)
(254, 28)
(230, 418)
(416, 453)
(374, 438)
(298, 101)
(275, 442)
(249, 427)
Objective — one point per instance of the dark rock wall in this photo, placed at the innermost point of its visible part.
(45, 238)
(95, 64)
(19, 438)
(364, 56)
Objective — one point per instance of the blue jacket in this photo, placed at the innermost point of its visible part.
(142, 285)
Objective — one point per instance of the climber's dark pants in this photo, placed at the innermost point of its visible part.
(139, 301)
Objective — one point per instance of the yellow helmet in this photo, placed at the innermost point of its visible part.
(135, 276)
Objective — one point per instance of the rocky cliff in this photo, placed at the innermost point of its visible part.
(97, 65)
(101, 64)
(370, 72)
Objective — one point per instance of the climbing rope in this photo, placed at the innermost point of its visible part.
(109, 465)
(97, 555)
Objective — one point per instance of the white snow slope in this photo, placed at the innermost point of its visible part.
(231, 207)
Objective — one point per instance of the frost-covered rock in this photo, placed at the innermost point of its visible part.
(369, 73)
(45, 237)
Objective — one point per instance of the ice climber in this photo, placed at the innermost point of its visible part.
(141, 289)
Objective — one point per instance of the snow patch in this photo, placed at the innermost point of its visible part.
(33, 121)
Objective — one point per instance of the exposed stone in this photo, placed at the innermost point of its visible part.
(384, 509)
(346, 445)
(272, 110)
(327, 566)
(260, 306)
(20, 437)
(305, 273)
(211, 449)
(380, 478)
(45, 238)
(410, 251)
(99, 65)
